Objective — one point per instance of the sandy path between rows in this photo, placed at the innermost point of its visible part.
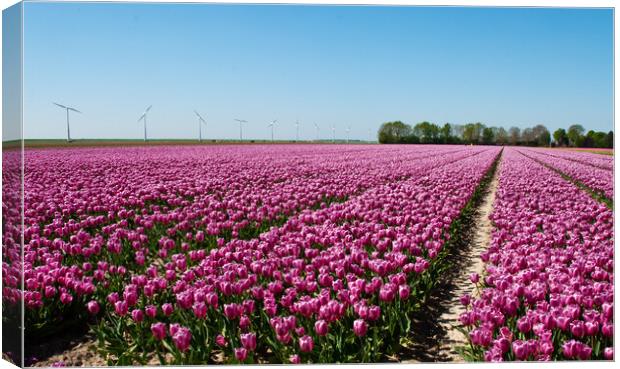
(472, 264)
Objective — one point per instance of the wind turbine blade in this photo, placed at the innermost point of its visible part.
(199, 116)
(75, 110)
(142, 117)
(147, 109)
(62, 106)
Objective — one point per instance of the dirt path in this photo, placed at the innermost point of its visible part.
(434, 338)
(472, 264)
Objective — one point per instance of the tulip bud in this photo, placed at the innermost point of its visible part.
(474, 277)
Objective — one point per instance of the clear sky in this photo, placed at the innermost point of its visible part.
(357, 66)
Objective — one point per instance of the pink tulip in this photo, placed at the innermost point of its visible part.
(167, 309)
(182, 339)
(248, 340)
(137, 315)
(93, 307)
(221, 341)
(151, 311)
(306, 344)
(321, 327)
(158, 330)
(241, 354)
(360, 327)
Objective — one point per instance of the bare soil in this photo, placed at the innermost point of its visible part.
(78, 350)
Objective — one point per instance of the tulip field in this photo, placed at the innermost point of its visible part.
(308, 253)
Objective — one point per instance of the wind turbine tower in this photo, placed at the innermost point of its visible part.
(333, 133)
(201, 121)
(317, 131)
(296, 131)
(67, 108)
(143, 117)
(272, 125)
(241, 121)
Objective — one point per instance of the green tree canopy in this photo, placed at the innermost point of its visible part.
(394, 132)
(560, 137)
(574, 134)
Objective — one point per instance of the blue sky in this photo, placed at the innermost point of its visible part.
(330, 65)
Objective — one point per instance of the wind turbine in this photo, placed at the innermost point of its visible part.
(201, 121)
(297, 130)
(143, 117)
(67, 108)
(348, 131)
(241, 121)
(272, 125)
(317, 132)
(333, 133)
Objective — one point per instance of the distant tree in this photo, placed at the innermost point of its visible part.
(457, 132)
(472, 133)
(514, 134)
(560, 137)
(478, 133)
(394, 132)
(541, 135)
(478, 130)
(445, 134)
(412, 139)
(574, 134)
(600, 140)
(427, 132)
(501, 137)
(488, 136)
(527, 137)
(588, 139)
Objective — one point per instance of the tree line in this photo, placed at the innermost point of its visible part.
(480, 134)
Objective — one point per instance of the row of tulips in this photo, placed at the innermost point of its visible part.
(598, 179)
(547, 292)
(590, 159)
(104, 214)
(336, 284)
